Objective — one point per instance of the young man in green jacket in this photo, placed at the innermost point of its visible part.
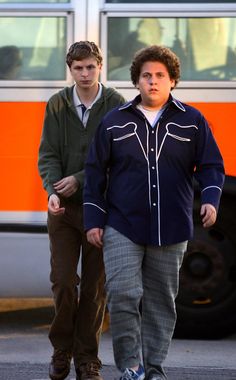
(71, 118)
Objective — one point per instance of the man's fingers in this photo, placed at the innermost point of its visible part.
(94, 236)
(95, 240)
(208, 213)
(66, 188)
(54, 205)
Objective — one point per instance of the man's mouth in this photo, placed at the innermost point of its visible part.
(153, 90)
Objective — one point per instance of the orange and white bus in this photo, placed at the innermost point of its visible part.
(34, 38)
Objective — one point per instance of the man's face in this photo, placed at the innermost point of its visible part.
(154, 85)
(86, 72)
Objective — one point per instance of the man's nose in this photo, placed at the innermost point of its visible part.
(152, 80)
(84, 72)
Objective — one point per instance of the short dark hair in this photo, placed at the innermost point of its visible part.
(82, 50)
(155, 53)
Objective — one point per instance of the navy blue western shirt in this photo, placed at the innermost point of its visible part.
(139, 179)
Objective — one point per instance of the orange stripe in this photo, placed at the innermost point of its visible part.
(221, 119)
(20, 184)
(21, 127)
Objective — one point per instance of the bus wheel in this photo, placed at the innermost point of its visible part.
(206, 303)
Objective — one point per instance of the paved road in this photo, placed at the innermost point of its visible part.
(26, 371)
(25, 350)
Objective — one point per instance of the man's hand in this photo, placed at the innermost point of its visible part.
(66, 186)
(94, 236)
(54, 205)
(208, 213)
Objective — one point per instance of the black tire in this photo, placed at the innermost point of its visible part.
(206, 303)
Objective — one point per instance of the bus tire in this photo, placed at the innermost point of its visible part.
(206, 303)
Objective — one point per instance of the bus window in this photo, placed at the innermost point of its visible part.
(205, 46)
(212, 48)
(35, 1)
(166, 1)
(41, 52)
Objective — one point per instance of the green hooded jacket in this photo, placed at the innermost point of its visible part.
(65, 141)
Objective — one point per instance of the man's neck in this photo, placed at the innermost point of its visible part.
(152, 106)
(87, 95)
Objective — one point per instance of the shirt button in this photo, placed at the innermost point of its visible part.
(152, 149)
(152, 131)
(153, 185)
(154, 204)
(153, 167)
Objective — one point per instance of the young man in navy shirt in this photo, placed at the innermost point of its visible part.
(138, 203)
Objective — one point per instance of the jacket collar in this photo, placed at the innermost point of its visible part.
(137, 100)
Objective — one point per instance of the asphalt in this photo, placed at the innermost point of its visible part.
(29, 371)
(25, 350)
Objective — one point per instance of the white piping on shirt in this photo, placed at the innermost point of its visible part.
(209, 187)
(93, 204)
(148, 167)
(129, 135)
(158, 155)
(174, 136)
(158, 192)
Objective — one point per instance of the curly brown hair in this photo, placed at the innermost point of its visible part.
(155, 53)
(82, 50)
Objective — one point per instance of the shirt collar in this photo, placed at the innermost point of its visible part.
(171, 100)
(77, 101)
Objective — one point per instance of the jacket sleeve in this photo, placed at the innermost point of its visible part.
(209, 170)
(96, 180)
(49, 162)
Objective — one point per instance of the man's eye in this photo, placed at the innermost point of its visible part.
(91, 67)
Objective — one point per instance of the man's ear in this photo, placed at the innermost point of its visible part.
(173, 84)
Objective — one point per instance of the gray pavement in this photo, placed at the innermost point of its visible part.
(25, 351)
(26, 371)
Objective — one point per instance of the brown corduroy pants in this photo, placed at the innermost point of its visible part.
(76, 326)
